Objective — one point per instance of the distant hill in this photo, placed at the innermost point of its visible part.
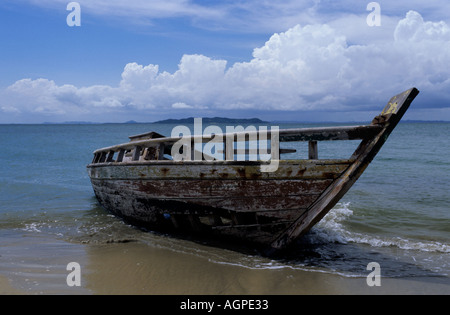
(217, 120)
(221, 120)
(69, 123)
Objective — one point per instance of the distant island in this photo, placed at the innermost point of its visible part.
(190, 120)
(222, 120)
(217, 120)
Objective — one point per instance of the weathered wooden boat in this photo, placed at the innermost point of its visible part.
(232, 199)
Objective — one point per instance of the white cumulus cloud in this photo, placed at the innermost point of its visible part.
(310, 67)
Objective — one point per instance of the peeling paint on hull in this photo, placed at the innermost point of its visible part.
(193, 198)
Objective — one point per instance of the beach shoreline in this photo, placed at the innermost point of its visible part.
(137, 268)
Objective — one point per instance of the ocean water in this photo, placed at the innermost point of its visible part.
(397, 214)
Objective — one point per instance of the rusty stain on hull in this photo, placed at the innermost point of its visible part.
(235, 199)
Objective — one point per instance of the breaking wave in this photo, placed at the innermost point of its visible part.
(332, 229)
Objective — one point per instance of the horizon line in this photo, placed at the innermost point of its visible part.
(231, 119)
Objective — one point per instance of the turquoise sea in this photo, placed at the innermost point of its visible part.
(397, 214)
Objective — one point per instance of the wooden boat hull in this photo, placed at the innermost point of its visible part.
(235, 199)
(225, 199)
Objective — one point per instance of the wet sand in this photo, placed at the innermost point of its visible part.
(160, 271)
(6, 288)
(178, 269)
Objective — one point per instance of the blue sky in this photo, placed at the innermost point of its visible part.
(305, 60)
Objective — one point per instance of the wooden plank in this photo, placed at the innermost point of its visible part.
(255, 204)
(137, 153)
(110, 156)
(300, 169)
(102, 157)
(257, 151)
(147, 135)
(216, 188)
(312, 150)
(285, 135)
(120, 155)
(329, 133)
(285, 214)
(288, 207)
(230, 199)
(247, 226)
(129, 205)
(96, 158)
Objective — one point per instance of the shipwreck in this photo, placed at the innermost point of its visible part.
(167, 184)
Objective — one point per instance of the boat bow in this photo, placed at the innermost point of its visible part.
(364, 154)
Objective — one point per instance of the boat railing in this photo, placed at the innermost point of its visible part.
(153, 146)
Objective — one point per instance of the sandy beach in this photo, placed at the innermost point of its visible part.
(6, 288)
(137, 268)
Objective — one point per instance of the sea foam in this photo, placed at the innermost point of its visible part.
(332, 228)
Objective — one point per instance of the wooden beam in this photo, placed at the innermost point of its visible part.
(120, 155)
(110, 156)
(312, 150)
(285, 135)
(102, 157)
(137, 153)
(329, 133)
